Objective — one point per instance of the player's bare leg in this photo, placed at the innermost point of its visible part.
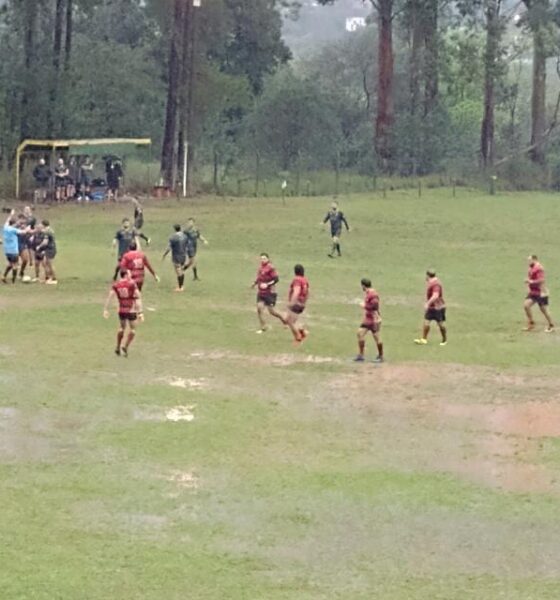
(443, 331)
(38, 264)
(425, 332)
(362, 332)
(527, 305)
(260, 315)
(180, 278)
(290, 320)
(544, 310)
(273, 312)
(335, 246)
(130, 337)
(379, 344)
(50, 275)
(120, 336)
(24, 261)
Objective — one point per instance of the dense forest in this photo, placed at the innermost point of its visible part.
(444, 87)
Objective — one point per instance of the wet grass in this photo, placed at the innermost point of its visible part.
(312, 480)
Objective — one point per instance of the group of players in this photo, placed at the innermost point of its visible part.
(28, 242)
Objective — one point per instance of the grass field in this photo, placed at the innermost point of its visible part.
(301, 475)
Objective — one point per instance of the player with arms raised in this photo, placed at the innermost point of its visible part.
(434, 309)
(265, 282)
(538, 294)
(130, 309)
(336, 219)
(137, 262)
(371, 323)
(297, 298)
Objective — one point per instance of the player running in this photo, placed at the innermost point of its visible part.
(371, 323)
(265, 282)
(130, 309)
(137, 262)
(538, 294)
(178, 247)
(297, 298)
(11, 247)
(193, 235)
(336, 219)
(434, 309)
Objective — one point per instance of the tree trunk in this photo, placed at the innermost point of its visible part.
(69, 33)
(191, 82)
(493, 36)
(385, 76)
(538, 99)
(183, 137)
(431, 60)
(30, 27)
(57, 49)
(415, 54)
(173, 85)
(215, 171)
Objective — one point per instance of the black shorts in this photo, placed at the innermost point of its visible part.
(336, 233)
(60, 182)
(268, 300)
(540, 300)
(179, 262)
(373, 327)
(128, 316)
(12, 258)
(39, 256)
(435, 314)
(296, 308)
(191, 253)
(50, 254)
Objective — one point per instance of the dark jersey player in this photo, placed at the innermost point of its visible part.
(538, 294)
(178, 247)
(297, 300)
(136, 262)
(130, 309)
(336, 219)
(124, 237)
(371, 322)
(265, 282)
(193, 235)
(434, 309)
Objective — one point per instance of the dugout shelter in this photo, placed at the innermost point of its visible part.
(94, 147)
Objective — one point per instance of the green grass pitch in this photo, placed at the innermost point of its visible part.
(300, 475)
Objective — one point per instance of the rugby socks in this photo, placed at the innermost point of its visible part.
(333, 248)
(425, 332)
(7, 272)
(362, 347)
(443, 334)
(116, 273)
(195, 273)
(338, 249)
(380, 349)
(180, 280)
(14, 275)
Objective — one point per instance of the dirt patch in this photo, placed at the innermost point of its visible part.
(472, 421)
(274, 360)
(178, 414)
(186, 384)
(23, 439)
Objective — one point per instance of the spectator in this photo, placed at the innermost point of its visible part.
(42, 174)
(61, 176)
(114, 173)
(86, 175)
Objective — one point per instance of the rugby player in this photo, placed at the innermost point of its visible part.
(538, 294)
(297, 299)
(193, 235)
(371, 323)
(265, 282)
(434, 309)
(47, 247)
(178, 247)
(336, 219)
(130, 309)
(137, 262)
(11, 247)
(122, 241)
